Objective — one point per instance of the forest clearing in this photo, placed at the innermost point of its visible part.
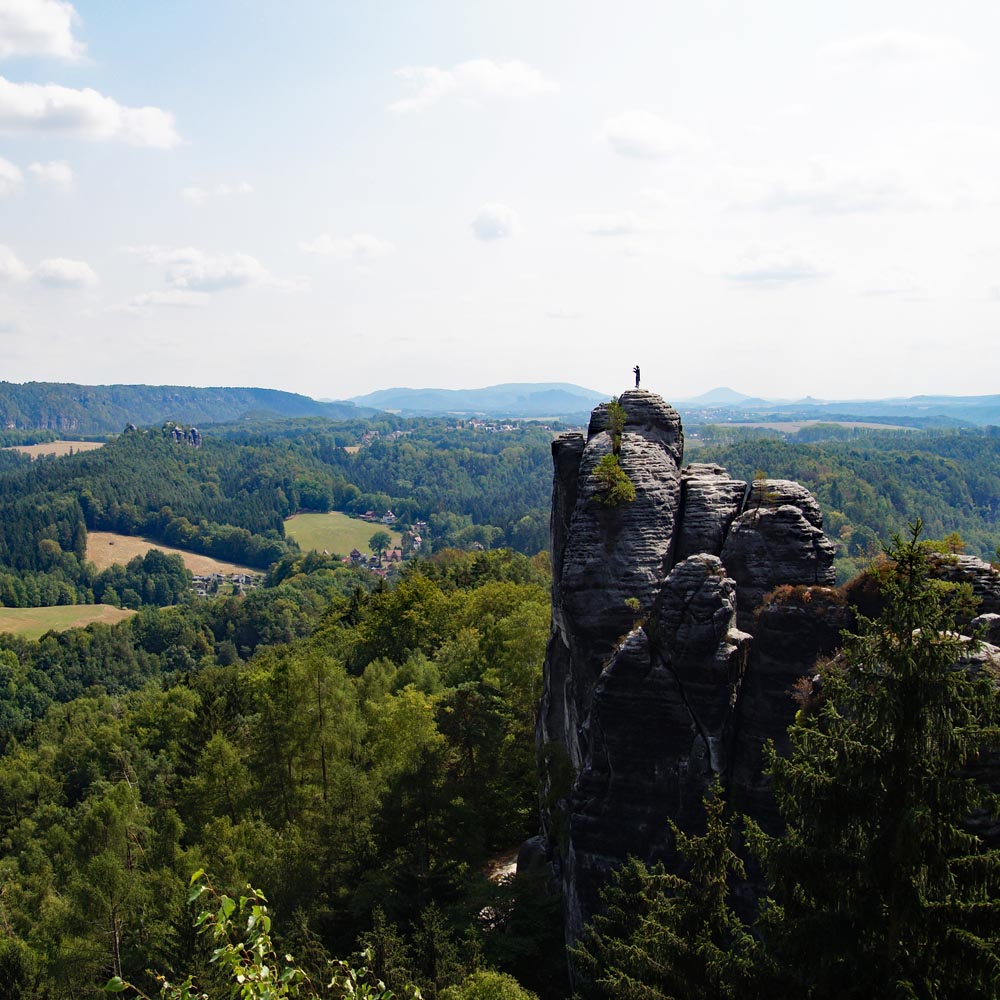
(107, 548)
(335, 532)
(32, 623)
(56, 448)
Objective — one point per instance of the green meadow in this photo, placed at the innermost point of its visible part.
(31, 623)
(334, 532)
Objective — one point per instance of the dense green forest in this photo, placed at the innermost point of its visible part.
(229, 497)
(360, 756)
(360, 751)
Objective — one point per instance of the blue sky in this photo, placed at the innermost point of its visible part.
(334, 197)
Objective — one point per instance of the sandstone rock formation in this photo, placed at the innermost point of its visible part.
(681, 623)
(983, 577)
(663, 670)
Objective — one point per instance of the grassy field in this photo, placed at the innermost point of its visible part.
(104, 548)
(334, 532)
(30, 623)
(56, 448)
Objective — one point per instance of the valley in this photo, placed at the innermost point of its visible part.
(357, 738)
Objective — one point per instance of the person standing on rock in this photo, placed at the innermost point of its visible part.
(636, 370)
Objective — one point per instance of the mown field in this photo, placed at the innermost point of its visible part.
(334, 532)
(105, 548)
(34, 622)
(57, 448)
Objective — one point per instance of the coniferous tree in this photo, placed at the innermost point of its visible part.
(881, 885)
(663, 935)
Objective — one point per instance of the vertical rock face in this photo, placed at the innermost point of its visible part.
(653, 648)
(660, 726)
(710, 501)
(608, 560)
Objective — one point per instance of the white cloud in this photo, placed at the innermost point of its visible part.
(10, 177)
(33, 107)
(61, 272)
(174, 298)
(662, 199)
(894, 49)
(473, 81)
(57, 173)
(821, 188)
(893, 282)
(199, 195)
(11, 268)
(191, 269)
(38, 28)
(614, 224)
(360, 246)
(773, 268)
(645, 136)
(494, 222)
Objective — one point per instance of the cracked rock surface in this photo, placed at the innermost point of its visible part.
(653, 641)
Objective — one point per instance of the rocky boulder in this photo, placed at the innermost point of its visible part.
(983, 577)
(710, 501)
(769, 546)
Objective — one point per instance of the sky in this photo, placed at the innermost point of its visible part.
(336, 196)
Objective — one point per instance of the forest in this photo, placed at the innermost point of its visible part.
(229, 497)
(362, 752)
(362, 772)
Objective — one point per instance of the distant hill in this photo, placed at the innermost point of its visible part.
(913, 411)
(513, 399)
(722, 396)
(104, 409)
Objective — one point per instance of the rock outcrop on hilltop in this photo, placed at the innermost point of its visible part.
(681, 621)
(662, 669)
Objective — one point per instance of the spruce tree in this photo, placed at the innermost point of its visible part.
(666, 936)
(882, 886)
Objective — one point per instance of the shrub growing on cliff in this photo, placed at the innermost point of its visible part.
(615, 487)
(616, 423)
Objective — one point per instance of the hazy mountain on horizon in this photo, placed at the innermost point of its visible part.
(82, 409)
(509, 399)
(720, 396)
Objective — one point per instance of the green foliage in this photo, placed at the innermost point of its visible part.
(379, 542)
(664, 935)
(614, 485)
(488, 985)
(232, 736)
(249, 964)
(616, 423)
(882, 884)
